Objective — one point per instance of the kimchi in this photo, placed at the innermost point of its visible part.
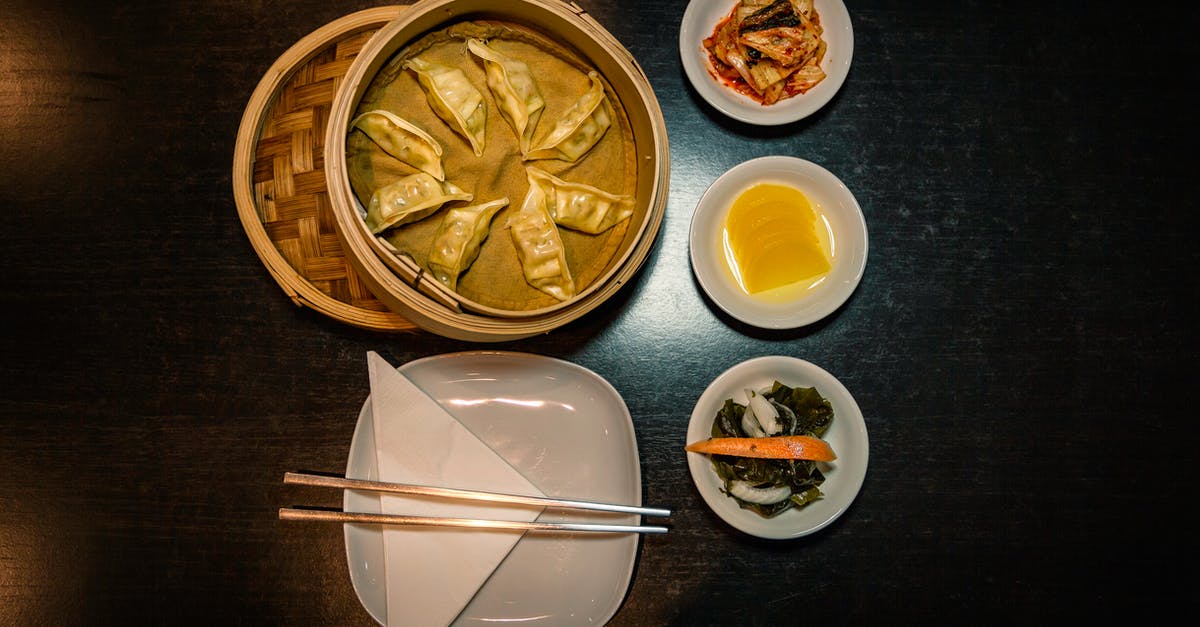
(769, 50)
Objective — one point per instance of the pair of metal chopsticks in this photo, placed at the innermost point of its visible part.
(290, 513)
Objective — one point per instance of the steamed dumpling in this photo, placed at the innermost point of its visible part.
(454, 99)
(516, 92)
(540, 247)
(581, 207)
(403, 140)
(579, 128)
(458, 239)
(410, 199)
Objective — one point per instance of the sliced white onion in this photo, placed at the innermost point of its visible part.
(762, 496)
(764, 412)
(788, 416)
(750, 424)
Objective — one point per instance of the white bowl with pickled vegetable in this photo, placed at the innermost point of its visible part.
(817, 217)
(846, 434)
(701, 19)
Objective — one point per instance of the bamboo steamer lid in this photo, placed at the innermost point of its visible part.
(401, 284)
(279, 175)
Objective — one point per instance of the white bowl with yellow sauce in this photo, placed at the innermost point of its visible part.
(778, 242)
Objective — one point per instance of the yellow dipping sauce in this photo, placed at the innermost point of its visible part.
(772, 238)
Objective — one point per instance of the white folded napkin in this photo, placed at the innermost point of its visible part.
(433, 572)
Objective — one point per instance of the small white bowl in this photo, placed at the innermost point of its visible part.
(847, 435)
(780, 310)
(702, 16)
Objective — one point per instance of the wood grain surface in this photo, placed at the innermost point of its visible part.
(1022, 344)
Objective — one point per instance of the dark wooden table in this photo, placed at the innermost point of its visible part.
(1022, 345)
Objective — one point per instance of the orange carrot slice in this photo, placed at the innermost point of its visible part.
(775, 447)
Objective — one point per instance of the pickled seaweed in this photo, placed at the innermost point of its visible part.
(811, 414)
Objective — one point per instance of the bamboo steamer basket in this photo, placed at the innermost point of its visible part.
(279, 175)
(405, 287)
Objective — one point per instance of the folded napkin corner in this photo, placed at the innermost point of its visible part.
(433, 573)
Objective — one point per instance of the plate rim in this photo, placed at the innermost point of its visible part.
(624, 571)
(705, 480)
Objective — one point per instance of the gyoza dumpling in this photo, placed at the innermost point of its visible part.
(454, 99)
(516, 92)
(403, 140)
(580, 127)
(578, 206)
(410, 199)
(458, 239)
(539, 246)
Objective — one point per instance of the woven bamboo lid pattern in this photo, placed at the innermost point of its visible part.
(279, 174)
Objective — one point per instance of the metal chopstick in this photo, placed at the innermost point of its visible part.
(288, 513)
(474, 495)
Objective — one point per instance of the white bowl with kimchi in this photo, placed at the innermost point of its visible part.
(766, 62)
